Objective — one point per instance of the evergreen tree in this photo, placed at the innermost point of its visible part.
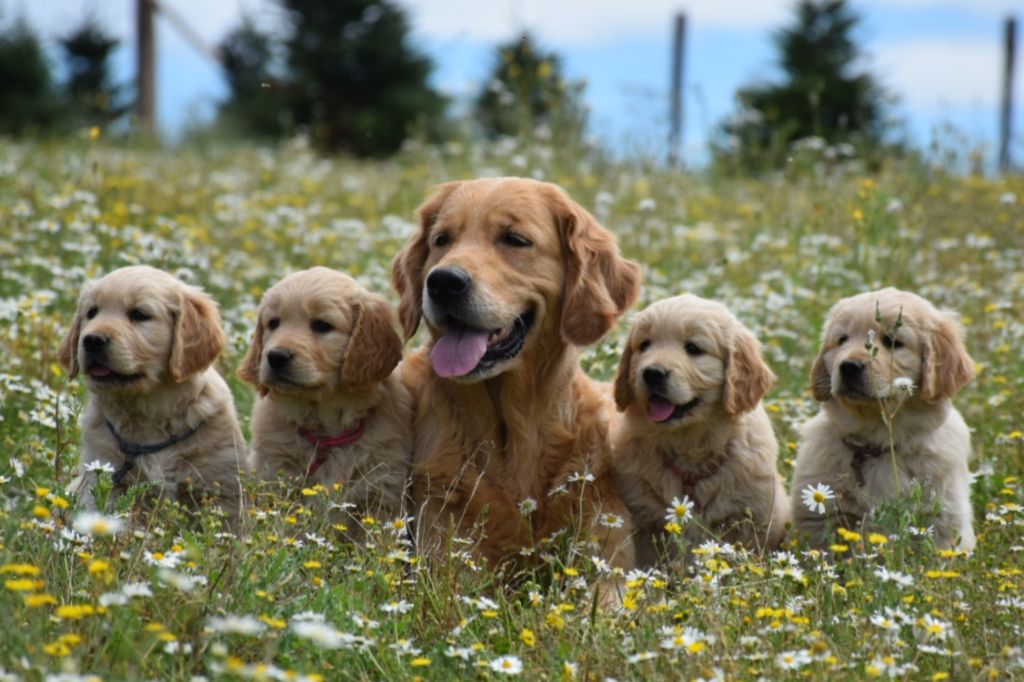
(355, 80)
(822, 94)
(28, 100)
(526, 88)
(93, 98)
(257, 104)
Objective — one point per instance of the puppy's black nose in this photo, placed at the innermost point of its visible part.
(94, 343)
(655, 376)
(278, 358)
(448, 285)
(851, 370)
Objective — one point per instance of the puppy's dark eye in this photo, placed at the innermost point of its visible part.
(137, 315)
(516, 241)
(644, 345)
(442, 240)
(92, 312)
(843, 339)
(693, 349)
(274, 323)
(890, 342)
(320, 327)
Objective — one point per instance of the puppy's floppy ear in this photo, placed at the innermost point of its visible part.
(198, 336)
(946, 366)
(600, 284)
(374, 348)
(821, 380)
(747, 377)
(624, 393)
(407, 268)
(68, 353)
(249, 370)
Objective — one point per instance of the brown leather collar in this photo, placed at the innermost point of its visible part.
(862, 452)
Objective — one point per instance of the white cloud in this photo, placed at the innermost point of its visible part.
(930, 71)
(584, 22)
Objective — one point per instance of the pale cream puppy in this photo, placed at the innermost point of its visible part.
(690, 384)
(847, 445)
(157, 409)
(332, 408)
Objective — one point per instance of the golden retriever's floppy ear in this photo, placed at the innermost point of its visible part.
(600, 284)
(624, 393)
(68, 353)
(249, 370)
(198, 336)
(821, 380)
(946, 366)
(747, 377)
(407, 268)
(374, 349)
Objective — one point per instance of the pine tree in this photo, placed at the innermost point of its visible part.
(257, 105)
(526, 88)
(92, 97)
(822, 94)
(28, 99)
(355, 80)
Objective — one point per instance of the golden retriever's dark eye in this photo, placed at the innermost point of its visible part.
(514, 240)
(92, 312)
(644, 345)
(693, 349)
(843, 339)
(320, 327)
(889, 342)
(137, 315)
(274, 323)
(442, 240)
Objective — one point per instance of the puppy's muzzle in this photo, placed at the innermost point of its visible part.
(448, 287)
(279, 359)
(95, 345)
(655, 378)
(851, 372)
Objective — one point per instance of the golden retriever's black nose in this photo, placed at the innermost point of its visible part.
(448, 285)
(278, 358)
(851, 371)
(94, 343)
(655, 376)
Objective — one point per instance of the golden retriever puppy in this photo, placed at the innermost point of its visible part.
(157, 411)
(690, 384)
(332, 408)
(512, 278)
(883, 353)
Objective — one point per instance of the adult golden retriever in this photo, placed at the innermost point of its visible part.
(158, 410)
(511, 438)
(690, 384)
(332, 409)
(887, 350)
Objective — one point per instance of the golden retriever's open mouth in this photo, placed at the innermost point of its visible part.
(663, 410)
(465, 350)
(97, 371)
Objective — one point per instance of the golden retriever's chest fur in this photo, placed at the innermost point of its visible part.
(514, 476)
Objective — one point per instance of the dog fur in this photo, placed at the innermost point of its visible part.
(707, 367)
(932, 442)
(162, 338)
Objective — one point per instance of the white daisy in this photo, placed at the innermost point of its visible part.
(680, 511)
(507, 665)
(95, 523)
(815, 496)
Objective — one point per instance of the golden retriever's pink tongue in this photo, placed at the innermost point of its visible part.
(660, 409)
(458, 352)
(100, 371)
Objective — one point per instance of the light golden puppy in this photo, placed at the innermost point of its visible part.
(158, 411)
(690, 384)
(869, 364)
(512, 278)
(332, 408)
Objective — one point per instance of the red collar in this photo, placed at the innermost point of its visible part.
(325, 443)
(690, 478)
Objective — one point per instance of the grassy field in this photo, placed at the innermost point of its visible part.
(169, 598)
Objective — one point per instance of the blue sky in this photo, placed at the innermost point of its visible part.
(941, 58)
